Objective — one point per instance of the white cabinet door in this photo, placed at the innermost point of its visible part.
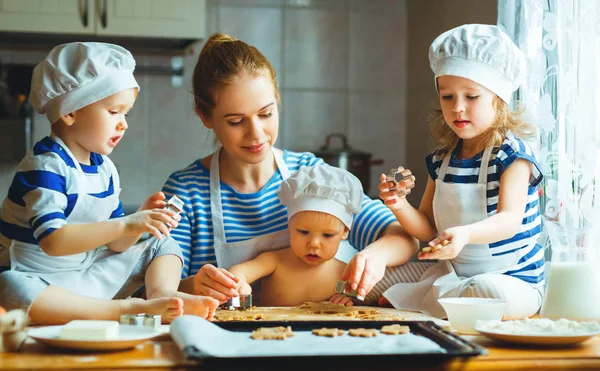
(151, 18)
(49, 16)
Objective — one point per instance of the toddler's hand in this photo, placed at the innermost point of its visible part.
(452, 241)
(394, 194)
(155, 222)
(155, 201)
(341, 299)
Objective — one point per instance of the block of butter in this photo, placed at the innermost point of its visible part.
(90, 330)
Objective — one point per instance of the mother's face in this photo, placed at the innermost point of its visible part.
(245, 118)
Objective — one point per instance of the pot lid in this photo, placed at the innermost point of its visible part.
(327, 150)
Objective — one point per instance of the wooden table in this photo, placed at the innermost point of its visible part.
(162, 354)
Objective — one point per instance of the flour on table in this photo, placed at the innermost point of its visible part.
(540, 326)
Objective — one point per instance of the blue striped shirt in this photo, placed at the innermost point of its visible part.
(249, 215)
(530, 267)
(45, 190)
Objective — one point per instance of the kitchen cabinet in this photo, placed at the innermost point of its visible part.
(127, 18)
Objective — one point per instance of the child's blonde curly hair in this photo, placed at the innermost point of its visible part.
(506, 120)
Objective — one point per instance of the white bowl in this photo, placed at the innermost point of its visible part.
(464, 312)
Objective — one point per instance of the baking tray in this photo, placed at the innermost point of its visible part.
(450, 346)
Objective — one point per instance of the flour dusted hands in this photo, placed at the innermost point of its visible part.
(394, 187)
(452, 241)
(157, 222)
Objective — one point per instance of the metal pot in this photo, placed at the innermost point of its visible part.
(357, 162)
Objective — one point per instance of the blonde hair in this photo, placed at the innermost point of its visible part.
(222, 60)
(506, 120)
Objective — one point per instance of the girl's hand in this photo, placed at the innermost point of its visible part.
(394, 194)
(215, 282)
(451, 242)
(155, 222)
(155, 201)
(341, 299)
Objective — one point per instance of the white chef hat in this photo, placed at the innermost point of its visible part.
(78, 74)
(322, 188)
(481, 53)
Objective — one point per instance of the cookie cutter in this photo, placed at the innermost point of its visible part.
(344, 288)
(405, 175)
(141, 319)
(175, 204)
(241, 302)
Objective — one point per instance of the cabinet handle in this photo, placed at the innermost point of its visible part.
(85, 14)
(103, 20)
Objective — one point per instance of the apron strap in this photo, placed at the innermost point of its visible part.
(216, 206)
(444, 166)
(485, 163)
(62, 144)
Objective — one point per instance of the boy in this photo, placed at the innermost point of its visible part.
(63, 206)
(321, 202)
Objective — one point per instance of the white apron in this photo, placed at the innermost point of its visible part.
(98, 273)
(454, 204)
(229, 254)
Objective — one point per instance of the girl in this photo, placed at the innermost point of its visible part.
(232, 213)
(481, 197)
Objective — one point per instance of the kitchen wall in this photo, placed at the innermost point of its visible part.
(353, 66)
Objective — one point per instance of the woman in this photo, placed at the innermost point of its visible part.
(232, 212)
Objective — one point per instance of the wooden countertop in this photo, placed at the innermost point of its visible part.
(162, 354)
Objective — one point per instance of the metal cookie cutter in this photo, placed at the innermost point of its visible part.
(141, 319)
(343, 287)
(397, 176)
(241, 302)
(175, 205)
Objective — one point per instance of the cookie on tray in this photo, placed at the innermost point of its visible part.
(363, 332)
(272, 333)
(395, 329)
(329, 332)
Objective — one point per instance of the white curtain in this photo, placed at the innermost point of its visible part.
(561, 95)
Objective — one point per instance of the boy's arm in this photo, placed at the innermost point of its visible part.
(77, 238)
(255, 269)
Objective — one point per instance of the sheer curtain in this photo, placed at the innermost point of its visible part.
(562, 97)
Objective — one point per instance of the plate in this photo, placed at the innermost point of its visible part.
(129, 336)
(538, 340)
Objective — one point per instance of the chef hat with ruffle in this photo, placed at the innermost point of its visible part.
(78, 74)
(481, 53)
(322, 188)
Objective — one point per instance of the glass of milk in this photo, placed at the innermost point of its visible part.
(573, 290)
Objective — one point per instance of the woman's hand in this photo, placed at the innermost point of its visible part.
(155, 201)
(364, 271)
(341, 299)
(394, 194)
(215, 282)
(450, 243)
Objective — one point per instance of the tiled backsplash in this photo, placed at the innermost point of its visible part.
(342, 67)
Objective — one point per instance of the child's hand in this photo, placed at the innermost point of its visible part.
(155, 201)
(155, 222)
(452, 241)
(394, 194)
(341, 299)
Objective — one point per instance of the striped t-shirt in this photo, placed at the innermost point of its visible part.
(45, 190)
(530, 267)
(249, 215)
